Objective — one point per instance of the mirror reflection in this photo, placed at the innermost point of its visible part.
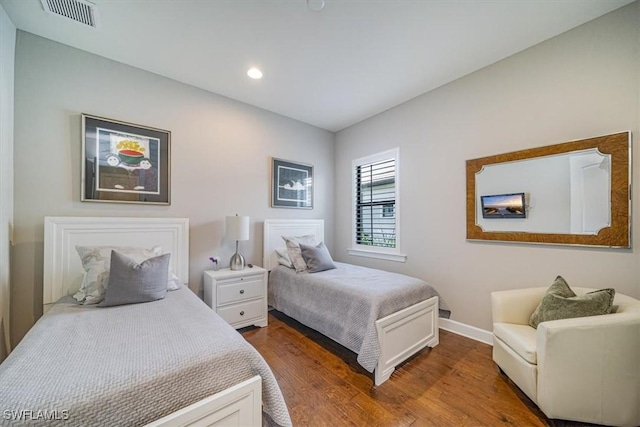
(567, 193)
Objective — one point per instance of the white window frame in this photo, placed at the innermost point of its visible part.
(368, 251)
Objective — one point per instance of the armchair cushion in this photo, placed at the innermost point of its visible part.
(520, 338)
(560, 302)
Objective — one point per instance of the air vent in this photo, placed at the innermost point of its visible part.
(78, 10)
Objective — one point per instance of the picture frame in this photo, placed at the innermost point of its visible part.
(291, 184)
(125, 162)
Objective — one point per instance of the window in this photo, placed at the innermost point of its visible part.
(388, 211)
(375, 201)
(375, 198)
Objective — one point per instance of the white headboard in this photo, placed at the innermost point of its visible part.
(274, 229)
(62, 266)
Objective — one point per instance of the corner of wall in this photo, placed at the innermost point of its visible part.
(7, 61)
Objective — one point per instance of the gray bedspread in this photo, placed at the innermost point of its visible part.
(344, 303)
(128, 365)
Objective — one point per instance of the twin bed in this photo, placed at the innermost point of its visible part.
(175, 361)
(383, 317)
(165, 363)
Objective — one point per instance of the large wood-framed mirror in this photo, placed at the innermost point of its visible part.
(575, 193)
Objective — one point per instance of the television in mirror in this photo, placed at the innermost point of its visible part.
(504, 206)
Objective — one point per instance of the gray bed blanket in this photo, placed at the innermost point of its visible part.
(128, 365)
(344, 303)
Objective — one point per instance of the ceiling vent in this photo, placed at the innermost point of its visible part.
(78, 10)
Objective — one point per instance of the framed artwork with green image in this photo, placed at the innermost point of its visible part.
(124, 162)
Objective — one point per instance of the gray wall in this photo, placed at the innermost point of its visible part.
(221, 153)
(583, 83)
(7, 54)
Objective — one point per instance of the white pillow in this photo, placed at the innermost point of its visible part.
(96, 262)
(293, 248)
(283, 257)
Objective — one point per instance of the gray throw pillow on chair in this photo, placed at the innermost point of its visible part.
(560, 302)
(131, 282)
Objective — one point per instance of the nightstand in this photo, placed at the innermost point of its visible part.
(238, 296)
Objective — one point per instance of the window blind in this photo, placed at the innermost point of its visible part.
(375, 203)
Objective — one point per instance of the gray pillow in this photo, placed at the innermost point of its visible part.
(131, 282)
(293, 247)
(317, 257)
(96, 261)
(559, 287)
(560, 302)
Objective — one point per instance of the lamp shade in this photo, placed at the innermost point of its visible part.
(237, 227)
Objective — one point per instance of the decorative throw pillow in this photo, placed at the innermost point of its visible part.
(293, 247)
(560, 302)
(317, 257)
(131, 282)
(283, 257)
(96, 262)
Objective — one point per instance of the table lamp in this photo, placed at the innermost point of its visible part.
(237, 229)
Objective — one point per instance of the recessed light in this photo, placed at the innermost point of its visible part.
(315, 5)
(254, 73)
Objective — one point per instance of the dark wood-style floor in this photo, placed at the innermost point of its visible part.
(454, 384)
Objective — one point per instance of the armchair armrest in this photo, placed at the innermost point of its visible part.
(589, 368)
(515, 306)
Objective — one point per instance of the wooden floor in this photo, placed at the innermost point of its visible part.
(454, 384)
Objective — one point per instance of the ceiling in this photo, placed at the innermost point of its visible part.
(330, 68)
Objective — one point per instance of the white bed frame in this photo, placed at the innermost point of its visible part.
(239, 405)
(401, 334)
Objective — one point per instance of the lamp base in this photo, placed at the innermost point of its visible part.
(236, 262)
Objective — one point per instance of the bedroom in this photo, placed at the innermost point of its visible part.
(579, 84)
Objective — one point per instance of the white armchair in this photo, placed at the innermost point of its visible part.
(582, 369)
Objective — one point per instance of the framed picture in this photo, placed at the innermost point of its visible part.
(125, 163)
(291, 185)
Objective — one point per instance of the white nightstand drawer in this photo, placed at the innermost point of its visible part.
(239, 289)
(242, 312)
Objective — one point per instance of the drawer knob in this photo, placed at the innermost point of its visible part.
(242, 313)
(242, 278)
(242, 291)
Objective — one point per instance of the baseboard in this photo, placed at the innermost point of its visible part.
(466, 331)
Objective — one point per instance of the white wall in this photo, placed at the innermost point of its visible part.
(7, 55)
(583, 83)
(221, 153)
